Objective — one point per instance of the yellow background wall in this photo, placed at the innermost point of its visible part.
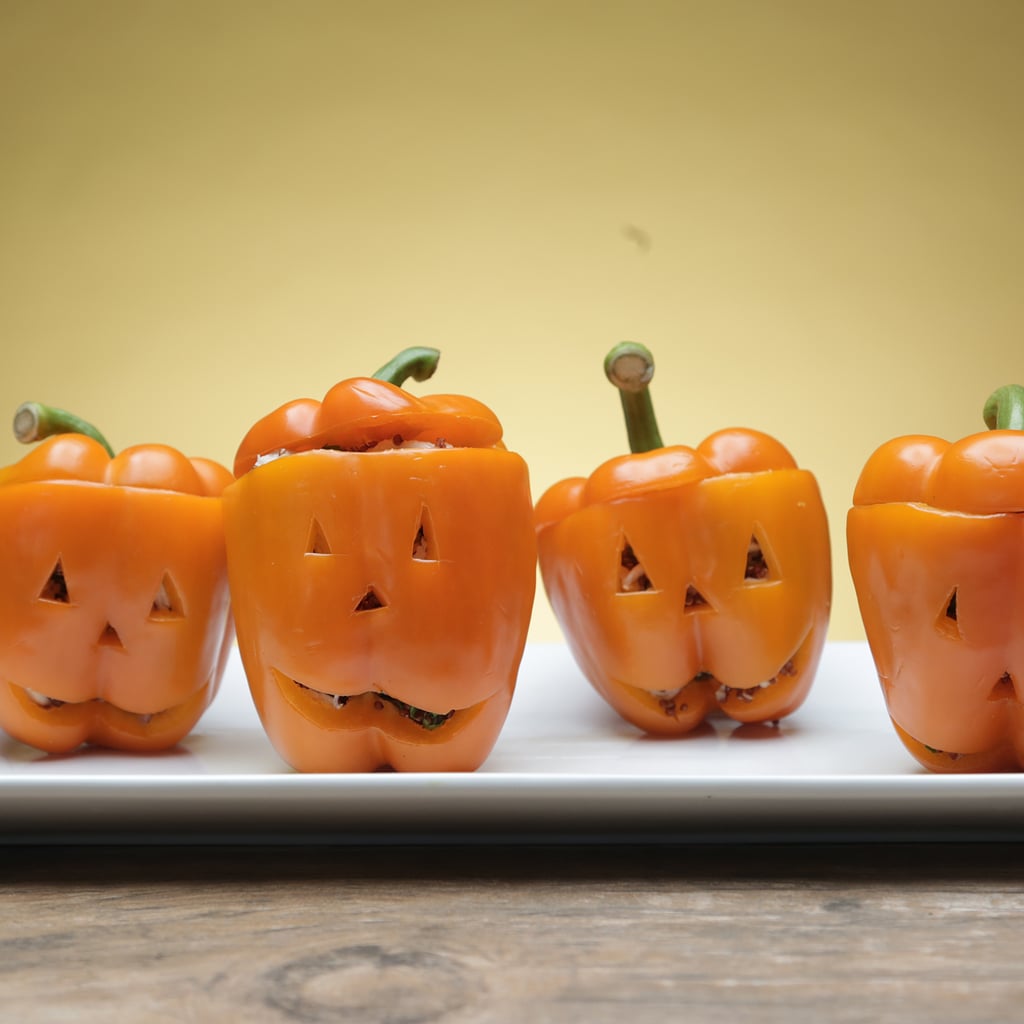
(812, 213)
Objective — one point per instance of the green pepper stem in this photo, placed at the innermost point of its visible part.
(34, 421)
(417, 362)
(1004, 409)
(630, 367)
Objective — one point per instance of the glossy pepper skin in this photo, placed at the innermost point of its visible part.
(383, 571)
(114, 611)
(689, 581)
(935, 540)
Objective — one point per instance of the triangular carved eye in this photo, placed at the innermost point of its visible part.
(948, 621)
(633, 577)
(370, 601)
(757, 564)
(694, 601)
(423, 547)
(110, 638)
(167, 602)
(55, 589)
(317, 542)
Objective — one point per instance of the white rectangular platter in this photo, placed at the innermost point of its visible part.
(565, 769)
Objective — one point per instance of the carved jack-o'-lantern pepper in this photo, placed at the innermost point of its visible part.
(114, 616)
(689, 581)
(935, 539)
(383, 566)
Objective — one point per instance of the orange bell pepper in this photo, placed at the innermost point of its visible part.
(383, 566)
(935, 537)
(688, 581)
(114, 614)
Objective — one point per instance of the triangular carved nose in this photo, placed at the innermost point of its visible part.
(110, 638)
(370, 601)
(1003, 689)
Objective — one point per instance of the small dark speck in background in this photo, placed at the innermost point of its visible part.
(640, 238)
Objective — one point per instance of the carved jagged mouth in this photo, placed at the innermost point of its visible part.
(1004, 689)
(429, 720)
(724, 692)
(41, 700)
(942, 753)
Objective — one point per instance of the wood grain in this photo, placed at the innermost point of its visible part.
(389, 935)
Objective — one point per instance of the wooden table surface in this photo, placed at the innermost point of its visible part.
(850, 932)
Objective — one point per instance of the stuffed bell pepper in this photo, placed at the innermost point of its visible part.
(383, 565)
(114, 614)
(936, 547)
(689, 581)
